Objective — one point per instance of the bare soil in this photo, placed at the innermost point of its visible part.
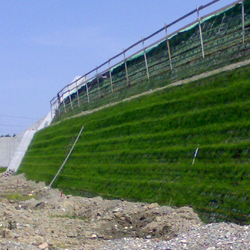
(31, 214)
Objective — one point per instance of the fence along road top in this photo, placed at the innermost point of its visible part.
(73, 87)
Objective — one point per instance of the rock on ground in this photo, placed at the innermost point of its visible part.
(32, 216)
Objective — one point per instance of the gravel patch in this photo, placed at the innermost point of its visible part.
(209, 237)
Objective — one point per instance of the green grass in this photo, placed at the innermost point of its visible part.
(19, 197)
(142, 150)
(2, 170)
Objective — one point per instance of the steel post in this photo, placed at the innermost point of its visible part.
(126, 68)
(201, 38)
(145, 58)
(87, 91)
(110, 77)
(98, 83)
(243, 21)
(169, 52)
(70, 100)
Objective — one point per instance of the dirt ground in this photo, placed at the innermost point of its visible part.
(33, 214)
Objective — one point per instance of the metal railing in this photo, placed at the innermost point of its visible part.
(109, 77)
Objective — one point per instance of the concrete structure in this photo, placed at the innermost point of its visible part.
(8, 147)
(13, 149)
(21, 149)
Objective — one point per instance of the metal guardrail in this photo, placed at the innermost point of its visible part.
(71, 91)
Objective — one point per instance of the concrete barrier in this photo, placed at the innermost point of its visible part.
(14, 148)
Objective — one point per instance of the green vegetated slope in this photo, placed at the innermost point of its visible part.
(142, 150)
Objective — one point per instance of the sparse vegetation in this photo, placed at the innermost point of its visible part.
(11, 225)
(19, 197)
(2, 169)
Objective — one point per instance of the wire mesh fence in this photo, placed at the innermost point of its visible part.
(213, 40)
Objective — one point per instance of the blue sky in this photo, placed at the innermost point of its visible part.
(45, 44)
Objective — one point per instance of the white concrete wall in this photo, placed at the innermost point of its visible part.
(13, 149)
(21, 149)
(25, 141)
(8, 147)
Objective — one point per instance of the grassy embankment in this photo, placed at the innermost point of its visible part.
(142, 150)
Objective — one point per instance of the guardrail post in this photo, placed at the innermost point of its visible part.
(65, 111)
(126, 68)
(201, 38)
(78, 99)
(59, 102)
(110, 77)
(145, 58)
(70, 99)
(169, 52)
(87, 91)
(98, 83)
(243, 21)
